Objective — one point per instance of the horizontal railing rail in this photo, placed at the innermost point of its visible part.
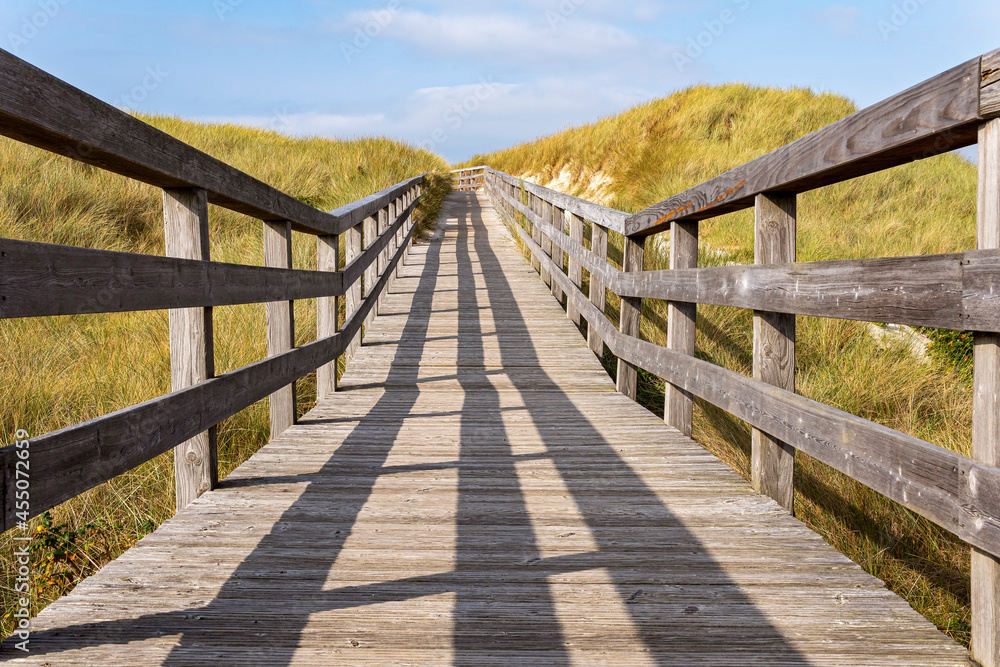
(950, 291)
(359, 247)
(468, 178)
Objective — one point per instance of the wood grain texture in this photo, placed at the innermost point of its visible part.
(41, 110)
(678, 404)
(557, 218)
(989, 96)
(959, 494)
(986, 407)
(599, 250)
(608, 218)
(280, 323)
(352, 214)
(575, 270)
(192, 357)
(352, 299)
(77, 458)
(327, 312)
(41, 279)
(480, 495)
(630, 316)
(936, 116)
(772, 462)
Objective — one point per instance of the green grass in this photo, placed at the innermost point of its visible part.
(59, 371)
(666, 146)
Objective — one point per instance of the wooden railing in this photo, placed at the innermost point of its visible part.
(38, 279)
(955, 291)
(468, 179)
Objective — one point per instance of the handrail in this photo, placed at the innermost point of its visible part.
(951, 291)
(39, 279)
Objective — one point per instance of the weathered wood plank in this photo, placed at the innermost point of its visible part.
(72, 460)
(678, 404)
(327, 312)
(280, 323)
(352, 243)
(41, 279)
(989, 96)
(557, 218)
(599, 250)
(192, 357)
(608, 218)
(630, 315)
(575, 270)
(936, 116)
(772, 462)
(959, 494)
(352, 214)
(986, 408)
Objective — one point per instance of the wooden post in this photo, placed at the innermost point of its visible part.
(678, 404)
(575, 270)
(986, 407)
(630, 316)
(280, 322)
(557, 217)
(192, 356)
(598, 246)
(352, 249)
(383, 257)
(327, 311)
(772, 462)
(543, 238)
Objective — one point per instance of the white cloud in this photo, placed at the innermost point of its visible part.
(310, 123)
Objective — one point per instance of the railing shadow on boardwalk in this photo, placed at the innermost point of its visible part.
(529, 622)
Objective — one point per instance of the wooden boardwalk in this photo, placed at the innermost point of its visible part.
(478, 493)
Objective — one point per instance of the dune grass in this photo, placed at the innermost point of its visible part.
(664, 147)
(59, 371)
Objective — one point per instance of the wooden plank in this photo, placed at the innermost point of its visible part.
(608, 218)
(599, 249)
(41, 279)
(630, 316)
(352, 243)
(67, 462)
(989, 96)
(772, 462)
(986, 408)
(557, 216)
(959, 494)
(352, 214)
(327, 312)
(371, 273)
(192, 357)
(575, 270)
(678, 404)
(280, 323)
(936, 116)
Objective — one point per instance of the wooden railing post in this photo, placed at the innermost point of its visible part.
(535, 204)
(986, 407)
(327, 311)
(192, 357)
(557, 217)
(383, 257)
(678, 405)
(371, 226)
(575, 270)
(630, 315)
(352, 296)
(772, 465)
(598, 246)
(280, 322)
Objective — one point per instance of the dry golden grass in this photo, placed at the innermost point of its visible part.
(664, 147)
(58, 371)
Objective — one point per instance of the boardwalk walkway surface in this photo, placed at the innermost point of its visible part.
(478, 493)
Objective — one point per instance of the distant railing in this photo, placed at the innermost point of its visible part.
(38, 279)
(468, 179)
(956, 291)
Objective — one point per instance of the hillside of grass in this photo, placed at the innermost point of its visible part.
(59, 371)
(659, 149)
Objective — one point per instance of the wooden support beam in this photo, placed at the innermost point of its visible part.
(773, 461)
(678, 404)
(352, 296)
(327, 311)
(192, 355)
(599, 247)
(557, 217)
(630, 315)
(280, 323)
(575, 270)
(535, 204)
(986, 407)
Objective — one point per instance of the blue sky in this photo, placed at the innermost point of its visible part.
(464, 77)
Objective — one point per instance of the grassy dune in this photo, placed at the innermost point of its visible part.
(664, 147)
(59, 371)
